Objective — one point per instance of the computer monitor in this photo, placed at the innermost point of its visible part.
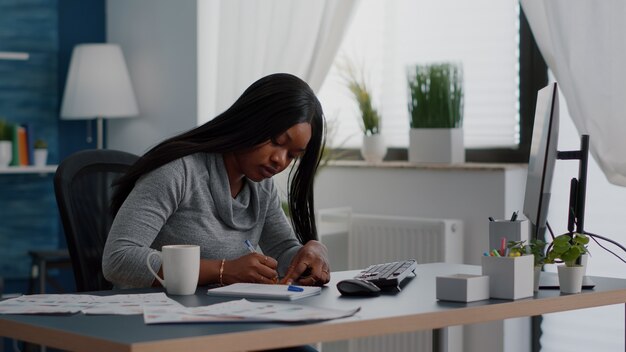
(543, 155)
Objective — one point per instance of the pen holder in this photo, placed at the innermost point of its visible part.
(511, 230)
(509, 277)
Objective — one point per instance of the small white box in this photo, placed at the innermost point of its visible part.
(463, 287)
(509, 277)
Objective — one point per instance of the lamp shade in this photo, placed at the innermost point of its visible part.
(98, 84)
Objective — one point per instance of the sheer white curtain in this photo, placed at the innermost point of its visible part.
(240, 41)
(584, 44)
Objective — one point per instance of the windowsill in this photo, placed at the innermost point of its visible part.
(426, 166)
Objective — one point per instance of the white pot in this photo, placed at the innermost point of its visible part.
(40, 156)
(436, 145)
(571, 278)
(6, 153)
(373, 149)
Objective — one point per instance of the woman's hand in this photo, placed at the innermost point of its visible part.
(253, 267)
(309, 266)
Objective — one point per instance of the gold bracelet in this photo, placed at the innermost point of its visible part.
(222, 272)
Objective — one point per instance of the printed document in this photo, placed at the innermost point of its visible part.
(244, 311)
(88, 304)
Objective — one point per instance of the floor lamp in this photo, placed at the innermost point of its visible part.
(98, 86)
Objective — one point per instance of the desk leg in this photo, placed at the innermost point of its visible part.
(439, 340)
(42, 276)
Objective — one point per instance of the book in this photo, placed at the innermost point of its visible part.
(265, 291)
(22, 146)
(15, 161)
(30, 142)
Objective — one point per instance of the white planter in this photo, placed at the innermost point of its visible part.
(509, 277)
(571, 278)
(40, 156)
(436, 145)
(6, 153)
(373, 149)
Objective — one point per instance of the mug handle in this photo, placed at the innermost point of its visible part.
(150, 266)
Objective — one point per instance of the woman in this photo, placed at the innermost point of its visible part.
(212, 186)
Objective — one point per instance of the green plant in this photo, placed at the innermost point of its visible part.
(40, 144)
(6, 130)
(567, 248)
(436, 93)
(535, 247)
(370, 118)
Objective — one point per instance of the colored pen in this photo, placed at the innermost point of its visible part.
(294, 288)
(502, 246)
(250, 246)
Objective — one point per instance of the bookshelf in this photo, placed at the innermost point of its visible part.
(28, 169)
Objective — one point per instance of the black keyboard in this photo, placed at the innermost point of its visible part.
(388, 275)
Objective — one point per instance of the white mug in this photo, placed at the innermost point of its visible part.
(181, 268)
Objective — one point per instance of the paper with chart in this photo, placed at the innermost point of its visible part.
(126, 304)
(244, 311)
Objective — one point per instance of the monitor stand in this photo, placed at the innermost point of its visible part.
(550, 281)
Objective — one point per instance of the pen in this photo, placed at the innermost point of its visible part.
(253, 250)
(294, 288)
(491, 219)
(502, 246)
(250, 246)
(514, 216)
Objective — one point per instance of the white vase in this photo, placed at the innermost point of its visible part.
(571, 278)
(373, 149)
(40, 156)
(436, 145)
(6, 153)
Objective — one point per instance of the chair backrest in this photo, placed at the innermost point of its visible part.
(82, 185)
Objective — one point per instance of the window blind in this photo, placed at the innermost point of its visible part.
(385, 38)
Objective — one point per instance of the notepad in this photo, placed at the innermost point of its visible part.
(264, 291)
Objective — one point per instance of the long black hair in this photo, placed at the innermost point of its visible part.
(266, 109)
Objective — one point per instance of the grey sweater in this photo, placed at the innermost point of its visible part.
(188, 201)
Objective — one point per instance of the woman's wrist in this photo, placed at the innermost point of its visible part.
(210, 271)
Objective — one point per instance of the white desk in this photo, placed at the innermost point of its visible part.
(415, 308)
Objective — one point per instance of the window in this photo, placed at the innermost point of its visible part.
(385, 38)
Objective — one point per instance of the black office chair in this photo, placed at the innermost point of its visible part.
(82, 185)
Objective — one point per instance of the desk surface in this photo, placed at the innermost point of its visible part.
(415, 308)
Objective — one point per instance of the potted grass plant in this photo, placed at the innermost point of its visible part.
(436, 113)
(6, 144)
(373, 148)
(40, 152)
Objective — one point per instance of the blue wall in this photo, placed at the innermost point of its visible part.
(31, 91)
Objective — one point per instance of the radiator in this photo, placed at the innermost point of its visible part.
(373, 239)
(378, 239)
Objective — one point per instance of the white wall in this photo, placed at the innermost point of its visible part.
(158, 38)
(469, 193)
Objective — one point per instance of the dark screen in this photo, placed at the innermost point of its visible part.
(543, 153)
